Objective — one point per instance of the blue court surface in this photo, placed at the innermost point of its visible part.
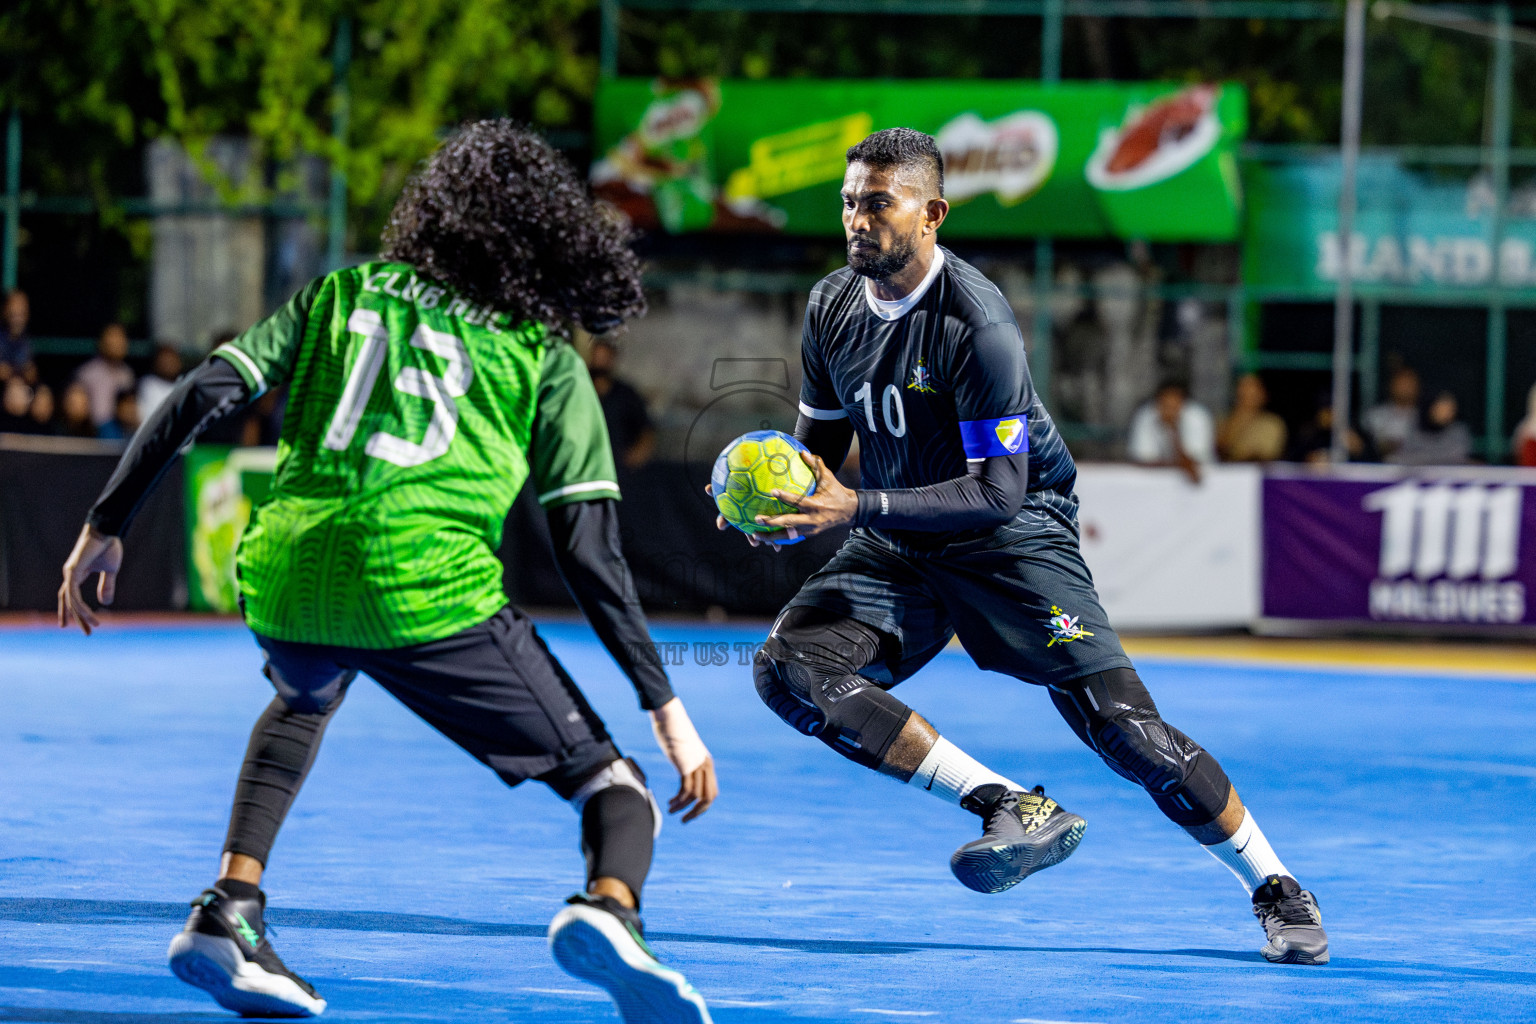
(410, 886)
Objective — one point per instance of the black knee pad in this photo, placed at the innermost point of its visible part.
(1113, 713)
(821, 697)
(796, 709)
(307, 685)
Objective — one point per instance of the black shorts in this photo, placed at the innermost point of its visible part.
(494, 689)
(1027, 610)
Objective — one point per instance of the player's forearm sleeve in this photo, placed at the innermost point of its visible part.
(828, 439)
(989, 495)
(213, 389)
(586, 539)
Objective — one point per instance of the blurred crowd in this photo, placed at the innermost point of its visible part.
(104, 397)
(1410, 428)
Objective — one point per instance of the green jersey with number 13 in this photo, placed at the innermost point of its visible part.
(413, 419)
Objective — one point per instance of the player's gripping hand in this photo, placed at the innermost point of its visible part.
(772, 540)
(831, 504)
(679, 740)
(94, 552)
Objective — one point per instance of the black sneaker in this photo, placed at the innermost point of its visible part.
(599, 940)
(1292, 922)
(224, 950)
(1022, 833)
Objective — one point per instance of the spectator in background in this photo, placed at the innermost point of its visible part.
(15, 342)
(42, 412)
(1313, 441)
(125, 418)
(1390, 423)
(1523, 444)
(630, 430)
(1172, 430)
(15, 403)
(1440, 438)
(107, 375)
(160, 381)
(75, 420)
(1250, 432)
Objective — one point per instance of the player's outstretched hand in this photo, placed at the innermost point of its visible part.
(831, 504)
(94, 552)
(679, 740)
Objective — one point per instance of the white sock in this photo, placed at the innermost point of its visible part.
(950, 773)
(1249, 855)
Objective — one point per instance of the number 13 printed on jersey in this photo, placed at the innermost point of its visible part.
(439, 390)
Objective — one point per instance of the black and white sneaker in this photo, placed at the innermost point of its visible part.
(1292, 922)
(599, 940)
(1021, 833)
(224, 951)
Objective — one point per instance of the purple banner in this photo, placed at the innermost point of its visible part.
(1437, 546)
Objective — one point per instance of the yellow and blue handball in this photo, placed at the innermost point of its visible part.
(750, 468)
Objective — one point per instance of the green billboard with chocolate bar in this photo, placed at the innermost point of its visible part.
(1152, 161)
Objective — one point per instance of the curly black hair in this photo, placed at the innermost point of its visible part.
(903, 147)
(501, 217)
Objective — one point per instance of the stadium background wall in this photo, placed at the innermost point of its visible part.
(46, 486)
(681, 563)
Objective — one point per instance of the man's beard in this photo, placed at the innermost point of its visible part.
(881, 264)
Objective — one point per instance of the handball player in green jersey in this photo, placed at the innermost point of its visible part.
(425, 389)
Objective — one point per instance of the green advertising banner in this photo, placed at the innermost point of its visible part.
(1414, 231)
(222, 486)
(1086, 160)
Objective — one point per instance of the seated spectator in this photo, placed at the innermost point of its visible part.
(1523, 444)
(75, 408)
(160, 381)
(629, 424)
(1440, 438)
(125, 419)
(1250, 432)
(15, 342)
(1171, 430)
(42, 412)
(1313, 442)
(15, 403)
(107, 375)
(1390, 423)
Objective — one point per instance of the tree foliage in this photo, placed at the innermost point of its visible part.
(94, 79)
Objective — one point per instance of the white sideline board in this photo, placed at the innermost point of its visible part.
(1168, 554)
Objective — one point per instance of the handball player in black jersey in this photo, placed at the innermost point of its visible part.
(965, 524)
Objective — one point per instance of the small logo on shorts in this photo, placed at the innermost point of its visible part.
(1063, 627)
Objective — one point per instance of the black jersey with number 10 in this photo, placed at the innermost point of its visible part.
(944, 383)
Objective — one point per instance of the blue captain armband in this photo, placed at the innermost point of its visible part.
(1006, 435)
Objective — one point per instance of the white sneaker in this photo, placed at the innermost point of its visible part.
(599, 940)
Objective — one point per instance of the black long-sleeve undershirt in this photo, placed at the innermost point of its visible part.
(586, 542)
(585, 534)
(211, 391)
(990, 494)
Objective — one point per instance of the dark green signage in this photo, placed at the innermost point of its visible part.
(1086, 160)
(1414, 231)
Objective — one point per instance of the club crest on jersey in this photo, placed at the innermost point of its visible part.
(921, 380)
(1010, 433)
(1063, 628)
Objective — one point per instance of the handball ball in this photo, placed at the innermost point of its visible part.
(750, 467)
